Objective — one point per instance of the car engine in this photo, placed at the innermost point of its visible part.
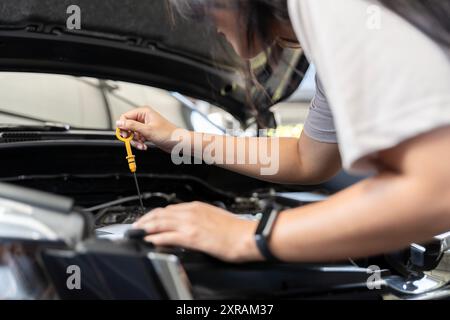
(79, 201)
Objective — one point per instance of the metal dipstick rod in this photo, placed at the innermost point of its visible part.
(131, 162)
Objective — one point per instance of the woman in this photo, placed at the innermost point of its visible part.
(388, 87)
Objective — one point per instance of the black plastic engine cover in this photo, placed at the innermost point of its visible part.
(121, 270)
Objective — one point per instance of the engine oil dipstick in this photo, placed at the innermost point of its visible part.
(131, 162)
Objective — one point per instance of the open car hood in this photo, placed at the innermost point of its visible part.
(138, 41)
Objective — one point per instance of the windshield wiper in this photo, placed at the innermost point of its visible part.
(45, 127)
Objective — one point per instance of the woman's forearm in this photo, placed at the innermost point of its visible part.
(364, 220)
(407, 202)
(302, 162)
(269, 165)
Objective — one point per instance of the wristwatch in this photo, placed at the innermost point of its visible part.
(264, 231)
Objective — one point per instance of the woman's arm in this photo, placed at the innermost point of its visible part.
(297, 161)
(302, 161)
(409, 201)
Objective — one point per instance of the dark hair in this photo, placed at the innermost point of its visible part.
(259, 15)
(430, 16)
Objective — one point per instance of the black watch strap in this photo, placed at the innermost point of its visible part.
(264, 231)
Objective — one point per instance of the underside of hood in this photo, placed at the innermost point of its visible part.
(138, 41)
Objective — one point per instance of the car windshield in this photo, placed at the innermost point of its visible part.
(82, 103)
(89, 103)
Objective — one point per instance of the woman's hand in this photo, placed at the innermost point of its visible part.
(147, 125)
(202, 227)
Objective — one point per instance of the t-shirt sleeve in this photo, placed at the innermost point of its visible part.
(386, 81)
(319, 124)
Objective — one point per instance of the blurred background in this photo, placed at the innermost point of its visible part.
(88, 103)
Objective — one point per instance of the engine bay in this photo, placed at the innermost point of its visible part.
(112, 199)
(101, 186)
(94, 175)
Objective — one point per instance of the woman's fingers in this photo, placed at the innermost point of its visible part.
(161, 226)
(134, 121)
(138, 114)
(180, 212)
(138, 142)
(139, 138)
(147, 125)
(165, 239)
(132, 125)
(139, 145)
(202, 227)
(156, 215)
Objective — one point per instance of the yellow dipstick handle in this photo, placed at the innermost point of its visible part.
(131, 162)
(130, 156)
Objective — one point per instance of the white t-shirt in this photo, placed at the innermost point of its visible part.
(385, 80)
(319, 124)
